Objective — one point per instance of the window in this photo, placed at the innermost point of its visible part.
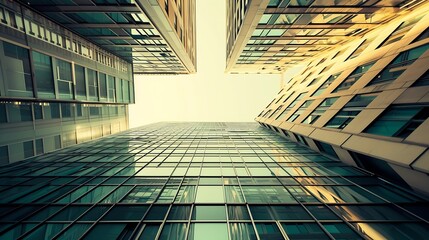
(208, 231)
(80, 82)
(39, 146)
(242, 231)
(325, 85)
(64, 79)
(268, 231)
(4, 155)
(19, 112)
(28, 149)
(300, 110)
(111, 230)
(326, 148)
(354, 76)
(103, 86)
(397, 66)
(92, 85)
(399, 121)
(44, 75)
(16, 65)
(291, 105)
(209, 194)
(126, 91)
(325, 105)
(350, 111)
(66, 110)
(202, 212)
(304, 231)
(111, 90)
(341, 231)
(173, 231)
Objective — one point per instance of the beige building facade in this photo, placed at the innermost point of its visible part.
(365, 102)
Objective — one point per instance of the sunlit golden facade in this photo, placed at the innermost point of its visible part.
(365, 101)
(269, 36)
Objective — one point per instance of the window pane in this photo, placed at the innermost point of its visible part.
(179, 212)
(208, 231)
(157, 212)
(64, 79)
(126, 213)
(304, 231)
(70, 213)
(186, 194)
(397, 231)
(149, 232)
(143, 194)
(95, 213)
(233, 194)
(242, 231)
(173, 231)
(75, 231)
(268, 231)
(209, 194)
(111, 231)
(46, 231)
(17, 69)
(209, 213)
(80, 82)
(238, 213)
(43, 74)
(341, 231)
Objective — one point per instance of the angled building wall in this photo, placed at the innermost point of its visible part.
(365, 102)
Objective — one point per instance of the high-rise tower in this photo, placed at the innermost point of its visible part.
(201, 181)
(66, 67)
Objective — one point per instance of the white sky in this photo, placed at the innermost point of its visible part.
(210, 94)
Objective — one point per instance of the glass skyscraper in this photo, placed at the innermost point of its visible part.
(204, 181)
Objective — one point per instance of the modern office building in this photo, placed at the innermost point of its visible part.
(156, 36)
(66, 67)
(201, 181)
(269, 36)
(365, 101)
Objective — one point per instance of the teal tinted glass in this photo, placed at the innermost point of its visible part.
(209, 213)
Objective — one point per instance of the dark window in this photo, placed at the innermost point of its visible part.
(17, 69)
(350, 111)
(326, 148)
(354, 76)
(80, 81)
(320, 110)
(399, 121)
(43, 74)
(28, 149)
(325, 85)
(4, 155)
(64, 79)
(396, 67)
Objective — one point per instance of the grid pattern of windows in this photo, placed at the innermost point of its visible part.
(290, 32)
(120, 27)
(200, 181)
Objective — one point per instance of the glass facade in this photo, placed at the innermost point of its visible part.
(201, 181)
